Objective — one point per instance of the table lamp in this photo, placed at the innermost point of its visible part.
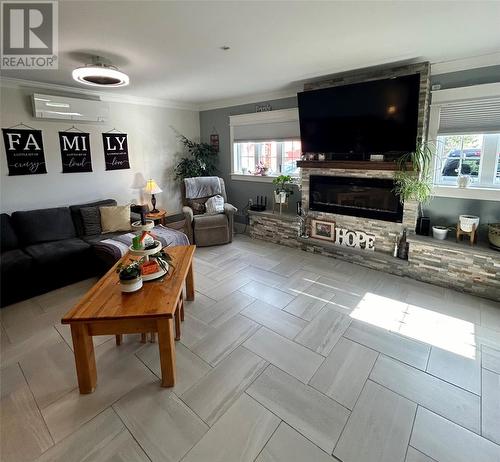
(152, 188)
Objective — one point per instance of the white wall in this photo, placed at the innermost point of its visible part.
(153, 151)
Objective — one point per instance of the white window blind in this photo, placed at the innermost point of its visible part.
(470, 116)
(275, 131)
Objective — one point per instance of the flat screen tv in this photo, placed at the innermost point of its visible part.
(354, 121)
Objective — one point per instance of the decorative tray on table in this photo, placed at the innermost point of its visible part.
(146, 253)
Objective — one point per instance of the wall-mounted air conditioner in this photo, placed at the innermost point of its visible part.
(75, 109)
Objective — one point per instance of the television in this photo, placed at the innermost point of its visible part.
(356, 120)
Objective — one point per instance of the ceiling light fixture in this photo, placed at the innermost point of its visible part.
(99, 74)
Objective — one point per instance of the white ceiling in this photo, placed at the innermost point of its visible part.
(171, 49)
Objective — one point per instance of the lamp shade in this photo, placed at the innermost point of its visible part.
(152, 187)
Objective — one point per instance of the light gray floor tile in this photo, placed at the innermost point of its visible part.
(228, 286)
(379, 427)
(221, 387)
(222, 340)
(238, 436)
(50, 372)
(224, 309)
(118, 372)
(310, 302)
(267, 294)
(463, 371)
(446, 441)
(275, 319)
(490, 406)
(193, 330)
(491, 359)
(287, 445)
(162, 424)
(416, 456)
(23, 432)
(18, 313)
(396, 346)
(288, 265)
(490, 314)
(294, 359)
(189, 367)
(104, 438)
(344, 372)
(456, 404)
(259, 275)
(324, 331)
(317, 417)
(298, 282)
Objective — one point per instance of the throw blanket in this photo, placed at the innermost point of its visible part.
(204, 186)
(111, 250)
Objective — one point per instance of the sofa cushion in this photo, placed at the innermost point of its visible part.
(92, 240)
(67, 251)
(91, 218)
(198, 205)
(35, 226)
(15, 263)
(8, 236)
(210, 221)
(115, 218)
(77, 216)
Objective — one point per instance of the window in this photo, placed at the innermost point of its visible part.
(475, 155)
(278, 157)
(265, 142)
(464, 126)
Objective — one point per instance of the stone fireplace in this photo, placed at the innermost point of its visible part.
(392, 216)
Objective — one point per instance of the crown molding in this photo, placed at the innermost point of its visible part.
(8, 82)
(474, 62)
(249, 99)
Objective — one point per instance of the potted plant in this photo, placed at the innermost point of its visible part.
(163, 259)
(413, 180)
(283, 189)
(130, 276)
(201, 161)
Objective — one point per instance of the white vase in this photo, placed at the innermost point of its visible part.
(467, 221)
(439, 232)
(130, 285)
(463, 181)
(280, 197)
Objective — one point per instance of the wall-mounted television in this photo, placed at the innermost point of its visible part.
(354, 121)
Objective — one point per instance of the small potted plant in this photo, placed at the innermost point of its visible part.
(130, 276)
(283, 189)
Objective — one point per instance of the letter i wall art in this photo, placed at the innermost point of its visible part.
(25, 152)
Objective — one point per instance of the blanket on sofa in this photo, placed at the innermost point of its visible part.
(111, 250)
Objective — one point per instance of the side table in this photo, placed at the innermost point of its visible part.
(158, 217)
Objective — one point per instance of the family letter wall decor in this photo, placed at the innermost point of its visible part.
(115, 151)
(75, 152)
(355, 239)
(24, 149)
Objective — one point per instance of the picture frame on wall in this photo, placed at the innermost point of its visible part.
(323, 230)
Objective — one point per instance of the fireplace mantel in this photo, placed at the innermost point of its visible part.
(351, 165)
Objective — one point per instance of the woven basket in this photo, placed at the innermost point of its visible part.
(494, 235)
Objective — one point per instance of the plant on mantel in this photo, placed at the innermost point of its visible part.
(413, 179)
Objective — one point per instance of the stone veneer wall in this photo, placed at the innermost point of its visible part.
(385, 231)
(474, 270)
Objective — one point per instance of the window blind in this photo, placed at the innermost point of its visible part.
(471, 116)
(288, 130)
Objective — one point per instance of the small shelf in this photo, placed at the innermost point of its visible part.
(350, 164)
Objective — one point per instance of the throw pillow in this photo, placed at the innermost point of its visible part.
(115, 218)
(91, 219)
(215, 205)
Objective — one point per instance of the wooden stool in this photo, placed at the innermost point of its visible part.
(471, 234)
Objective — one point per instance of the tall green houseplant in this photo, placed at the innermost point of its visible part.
(413, 180)
(201, 161)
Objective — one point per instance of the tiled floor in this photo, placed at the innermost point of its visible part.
(285, 356)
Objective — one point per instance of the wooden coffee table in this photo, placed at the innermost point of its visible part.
(105, 310)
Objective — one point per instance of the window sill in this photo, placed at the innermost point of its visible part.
(255, 178)
(490, 194)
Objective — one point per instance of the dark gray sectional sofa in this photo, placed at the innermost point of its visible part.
(45, 249)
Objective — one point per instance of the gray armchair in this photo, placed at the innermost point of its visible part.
(204, 229)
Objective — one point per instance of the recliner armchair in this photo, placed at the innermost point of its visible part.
(205, 229)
